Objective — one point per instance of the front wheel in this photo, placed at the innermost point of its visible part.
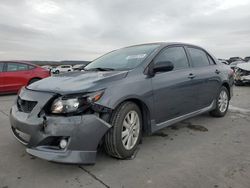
(122, 139)
(222, 103)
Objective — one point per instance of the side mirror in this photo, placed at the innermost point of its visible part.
(163, 66)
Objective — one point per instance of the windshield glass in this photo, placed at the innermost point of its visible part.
(123, 59)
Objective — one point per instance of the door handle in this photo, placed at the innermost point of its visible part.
(191, 76)
(217, 71)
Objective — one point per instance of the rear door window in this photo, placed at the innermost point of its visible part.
(211, 61)
(176, 55)
(199, 57)
(30, 67)
(12, 67)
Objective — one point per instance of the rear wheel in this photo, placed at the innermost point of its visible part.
(122, 139)
(222, 103)
(33, 80)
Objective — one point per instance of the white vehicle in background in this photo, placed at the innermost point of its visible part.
(47, 67)
(79, 67)
(242, 74)
(247, 59)
(234, 64)
(223, 61)
(62, 68)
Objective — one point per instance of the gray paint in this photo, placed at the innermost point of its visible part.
(170, 97)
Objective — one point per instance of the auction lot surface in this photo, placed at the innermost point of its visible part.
(199, 152)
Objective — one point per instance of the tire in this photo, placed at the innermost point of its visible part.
(57, 72)
(114, 143)
(221, 107)
(33, 80)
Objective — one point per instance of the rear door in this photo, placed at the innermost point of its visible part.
(206, 76)
(174, 90)
(15, 76)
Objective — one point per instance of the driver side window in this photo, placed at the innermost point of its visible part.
(176, 55)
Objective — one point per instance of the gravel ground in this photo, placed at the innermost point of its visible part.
(199, 152)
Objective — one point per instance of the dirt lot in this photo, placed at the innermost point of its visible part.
(199, 152)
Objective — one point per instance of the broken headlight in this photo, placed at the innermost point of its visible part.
(74, 103)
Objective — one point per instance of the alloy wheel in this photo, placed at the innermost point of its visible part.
(130, 130)
(223, 101)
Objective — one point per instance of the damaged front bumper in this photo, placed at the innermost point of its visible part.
(42, 134)
(242, 76)
(244, 79)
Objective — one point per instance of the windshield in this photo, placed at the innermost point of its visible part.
(122, 59)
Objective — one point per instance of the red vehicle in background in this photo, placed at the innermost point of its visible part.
(14, 75)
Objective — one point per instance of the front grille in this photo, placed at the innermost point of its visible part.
(25, 106)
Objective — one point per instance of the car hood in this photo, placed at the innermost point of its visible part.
(75, 82)
(244, 66)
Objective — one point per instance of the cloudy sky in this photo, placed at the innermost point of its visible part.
(85, 29)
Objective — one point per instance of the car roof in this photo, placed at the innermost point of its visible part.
(23, 62)
(165, 44)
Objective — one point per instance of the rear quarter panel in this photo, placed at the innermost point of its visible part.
(227, 76)
(39, 72)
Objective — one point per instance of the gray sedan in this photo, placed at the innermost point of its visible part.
(127, 92)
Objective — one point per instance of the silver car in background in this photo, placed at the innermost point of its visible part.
(242, 74)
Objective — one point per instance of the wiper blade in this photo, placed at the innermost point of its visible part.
(100, 69)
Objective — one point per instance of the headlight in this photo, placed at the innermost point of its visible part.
(71, 104)
(61, 105)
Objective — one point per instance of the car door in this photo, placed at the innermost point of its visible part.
(67, 69)
(15, 76)
(1, 77)
(174, 90)
(62, 68)
(206, 76)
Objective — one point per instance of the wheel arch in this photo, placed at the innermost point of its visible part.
(226, 85)
(34, 78)
(146, 115)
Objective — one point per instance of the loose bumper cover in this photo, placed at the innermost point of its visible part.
(43, 133)
(242, 76)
